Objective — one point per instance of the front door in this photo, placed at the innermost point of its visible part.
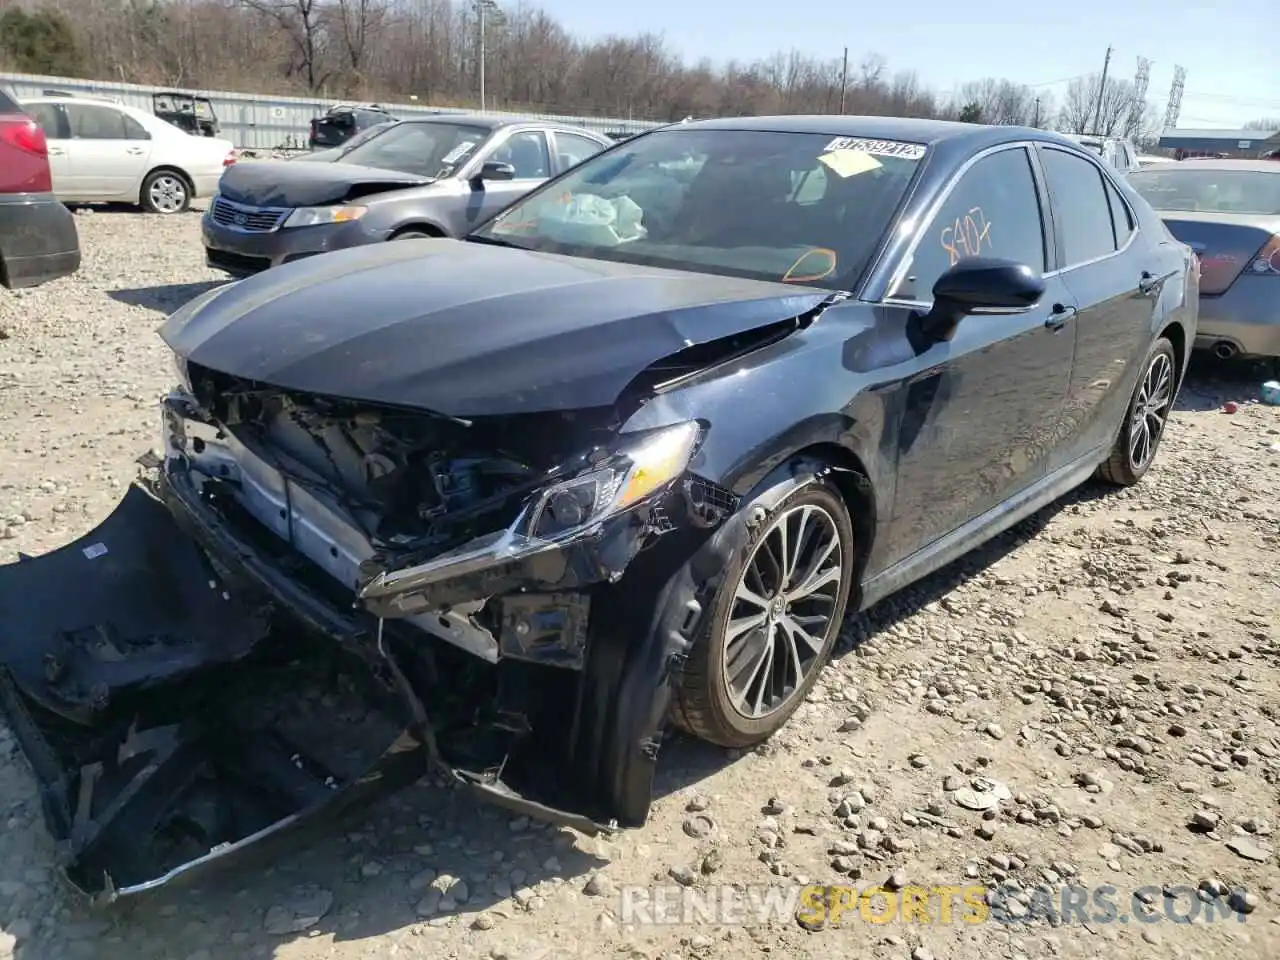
(1098, 264)
(977, 424)
(527, 151)
(108, 151)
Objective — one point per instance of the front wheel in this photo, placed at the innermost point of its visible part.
(773, 623)
(1145, 419)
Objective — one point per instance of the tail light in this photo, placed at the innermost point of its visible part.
(24, 134)
(1266, 262)
(229, 159)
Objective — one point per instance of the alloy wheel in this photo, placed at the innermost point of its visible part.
(168, 193)
(1150, 411)
(782, 610)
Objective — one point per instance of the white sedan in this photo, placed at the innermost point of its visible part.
(101, 151)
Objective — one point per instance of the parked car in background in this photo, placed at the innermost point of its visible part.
(1150, 160)
(38, 237)
(339, 124)
(101, 151)
(1117, 151)
(1228, 211)
(430, 177)
(620, 459)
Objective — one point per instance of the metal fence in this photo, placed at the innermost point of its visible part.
(265, 122)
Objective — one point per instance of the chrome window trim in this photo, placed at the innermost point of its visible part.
(1046, 219)
(927, 218)
(1137, 225)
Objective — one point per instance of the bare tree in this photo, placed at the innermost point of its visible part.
(359, 21)
(428, 49)
(998, 101)
(1110, 115)
(302, 21)
(1271, 124)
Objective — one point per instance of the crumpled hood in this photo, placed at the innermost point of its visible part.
(280, 183)
(467, 329)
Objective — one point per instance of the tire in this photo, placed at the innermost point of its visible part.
(166, 192)
(705, 700)
(1145, 418)
(414, 235)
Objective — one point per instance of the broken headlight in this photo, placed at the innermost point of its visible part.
(634, 473)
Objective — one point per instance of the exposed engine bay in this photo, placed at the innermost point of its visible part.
(171, 714)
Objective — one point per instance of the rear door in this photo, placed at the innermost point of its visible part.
(570, 149)
(108, 152)
(1110, 270)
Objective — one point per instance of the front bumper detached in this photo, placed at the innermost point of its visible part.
(162, 676)
(171, 727)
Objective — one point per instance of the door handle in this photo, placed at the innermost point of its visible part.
(134, 151)
(54, 152)
(1059, 316)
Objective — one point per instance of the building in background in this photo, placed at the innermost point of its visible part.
(1244, 144)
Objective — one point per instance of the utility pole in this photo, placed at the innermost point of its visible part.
(1102, 89)
(483, 9)
(1037, 120)
(844, 78)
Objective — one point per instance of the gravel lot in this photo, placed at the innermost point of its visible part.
(1114, 662)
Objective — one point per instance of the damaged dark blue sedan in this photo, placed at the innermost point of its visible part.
(616, 464)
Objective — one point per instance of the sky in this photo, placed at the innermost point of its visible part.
(1228, 48)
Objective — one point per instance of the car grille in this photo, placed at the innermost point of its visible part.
(247, 219)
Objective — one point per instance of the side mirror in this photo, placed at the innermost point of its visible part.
(494, 170)
(978, 285)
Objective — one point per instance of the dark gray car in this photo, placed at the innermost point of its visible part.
(434, 177)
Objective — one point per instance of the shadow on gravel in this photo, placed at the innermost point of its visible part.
(164, 298)
(1212, 382)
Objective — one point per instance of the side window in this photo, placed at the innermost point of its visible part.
(573, 149)
(1121, 218)
(527, 152)
(46, 115)
(133, 130)
(1079, 206)
(993, 210)
(95, 123)
(810, 186)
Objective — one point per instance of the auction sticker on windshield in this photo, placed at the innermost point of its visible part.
(879, 148)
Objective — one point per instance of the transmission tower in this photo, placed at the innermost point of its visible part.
(1139, 105)
(1175, 98)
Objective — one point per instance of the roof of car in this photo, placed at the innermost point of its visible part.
(908, 129)
(1223, 163)
(490, 122)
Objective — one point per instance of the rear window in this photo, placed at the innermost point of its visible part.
(1255, 192)
(8, 104)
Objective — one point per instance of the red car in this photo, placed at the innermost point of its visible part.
(38, 239)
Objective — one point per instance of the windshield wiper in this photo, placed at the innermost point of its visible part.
(493, 241)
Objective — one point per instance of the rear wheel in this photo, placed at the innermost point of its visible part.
(1145, 419)
(773, 622)
(165, 191)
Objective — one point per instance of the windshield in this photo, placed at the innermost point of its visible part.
(423, 149)
(798, 207)
(1210, 191)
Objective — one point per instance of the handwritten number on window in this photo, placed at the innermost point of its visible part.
(967, 236)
